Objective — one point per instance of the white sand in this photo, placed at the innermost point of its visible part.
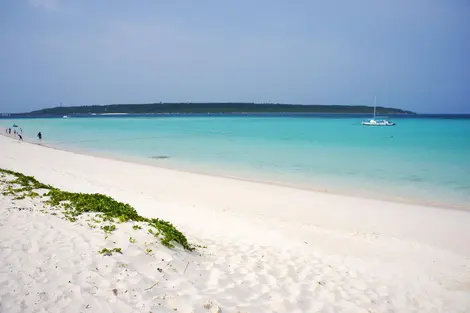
(269, 248)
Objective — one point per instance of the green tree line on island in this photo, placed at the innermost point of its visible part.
(194, 108)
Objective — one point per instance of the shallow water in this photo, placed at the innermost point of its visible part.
(424, 160)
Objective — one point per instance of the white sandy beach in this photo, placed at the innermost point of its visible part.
(269, 248)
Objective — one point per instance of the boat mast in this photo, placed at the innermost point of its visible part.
(375, 104)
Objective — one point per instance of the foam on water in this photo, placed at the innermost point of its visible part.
(421, 160)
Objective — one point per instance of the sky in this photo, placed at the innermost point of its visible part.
(411, 54)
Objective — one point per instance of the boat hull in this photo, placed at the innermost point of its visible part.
(377, 124)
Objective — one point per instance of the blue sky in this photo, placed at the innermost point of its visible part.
(412, 54)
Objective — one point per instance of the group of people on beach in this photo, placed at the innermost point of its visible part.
(15, 133)
(19, 133)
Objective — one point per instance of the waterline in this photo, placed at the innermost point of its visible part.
(419, 160)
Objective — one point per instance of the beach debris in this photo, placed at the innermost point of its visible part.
(108, 228)
(108, 252)
(212, 306)
(153, 285)
(115, 291)
(20, 209)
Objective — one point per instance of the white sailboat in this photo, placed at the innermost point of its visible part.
(374, 122)
(65, 116)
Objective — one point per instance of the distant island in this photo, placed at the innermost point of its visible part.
(200, 108)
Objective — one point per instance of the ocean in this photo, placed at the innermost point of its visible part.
(420, 160)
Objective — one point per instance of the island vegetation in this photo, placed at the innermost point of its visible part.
(216, 108)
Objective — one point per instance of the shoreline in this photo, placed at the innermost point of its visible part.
(261, 178)
(269, 248)
(310, 199)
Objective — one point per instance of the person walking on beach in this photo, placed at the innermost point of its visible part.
(39, 136)
(20, 138)
(9, 131)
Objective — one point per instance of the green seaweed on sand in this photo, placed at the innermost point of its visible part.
(33, 194)
(28, 182)
(108, 252)
(70, 218)
(88, 203)
(108, 228)
(169, 233)
(75, 204)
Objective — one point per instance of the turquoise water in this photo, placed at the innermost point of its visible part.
(419, 160)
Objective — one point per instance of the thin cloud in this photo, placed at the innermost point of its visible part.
(45, 4)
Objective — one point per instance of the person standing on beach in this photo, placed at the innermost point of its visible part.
(20, 137)
(39, 136)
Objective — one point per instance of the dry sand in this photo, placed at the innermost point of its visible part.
(269, 248)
